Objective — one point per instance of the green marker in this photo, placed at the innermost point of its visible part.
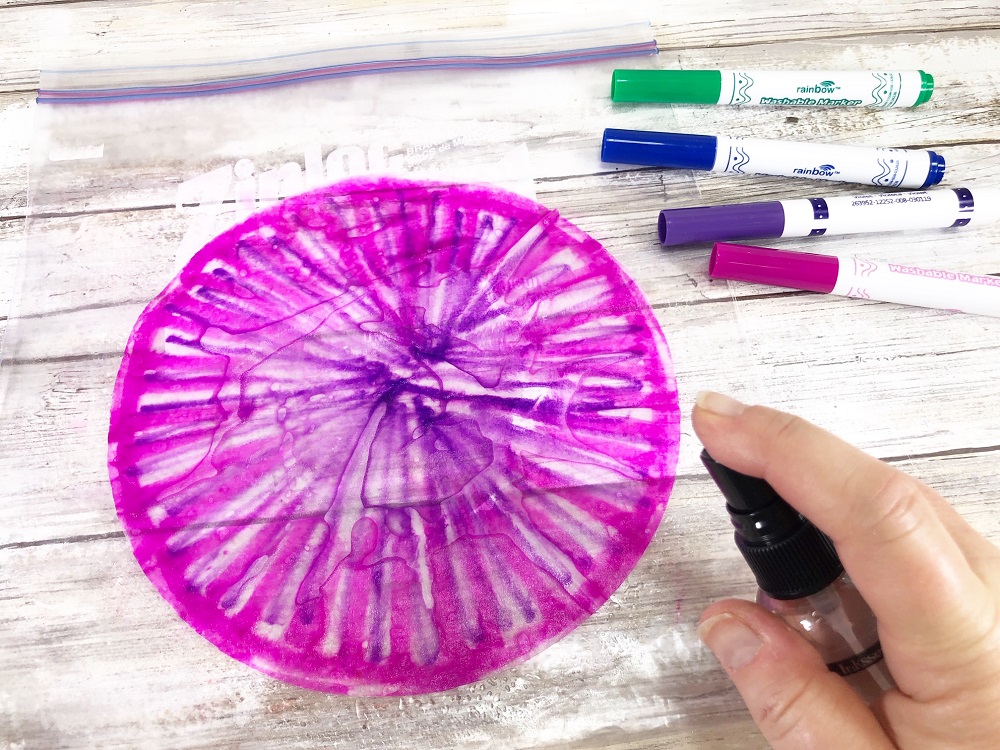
(782, 88)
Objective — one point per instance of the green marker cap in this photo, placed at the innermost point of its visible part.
(669, 86)
(926, 88)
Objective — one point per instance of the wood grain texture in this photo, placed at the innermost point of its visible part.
(15, 140)
(92, 656)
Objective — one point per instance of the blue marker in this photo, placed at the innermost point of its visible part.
(884, 167)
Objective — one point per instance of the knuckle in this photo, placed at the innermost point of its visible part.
(898, 508)
(786, 431)
(784, 713)
(976, 646)
(788, 427)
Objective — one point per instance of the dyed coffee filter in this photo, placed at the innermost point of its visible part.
(389, 436)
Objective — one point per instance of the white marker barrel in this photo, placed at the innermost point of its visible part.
(830, 88)
(924, 287)
(884, 167)
(890, 212)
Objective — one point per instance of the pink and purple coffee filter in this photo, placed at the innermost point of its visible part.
(390, 436)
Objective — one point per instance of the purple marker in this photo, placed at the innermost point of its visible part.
(857, 277)
(812, 217)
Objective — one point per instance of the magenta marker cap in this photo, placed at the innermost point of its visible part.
(764, 265)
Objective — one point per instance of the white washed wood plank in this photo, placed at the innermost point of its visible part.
(948, 51)
(97, 259)
(724, 23)
(54, 464)
(855, 372)
(11, 250)
(16, 112)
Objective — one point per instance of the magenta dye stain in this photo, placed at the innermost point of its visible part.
(390, 436)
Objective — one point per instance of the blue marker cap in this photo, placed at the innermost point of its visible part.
(651, 149)
(935, 173)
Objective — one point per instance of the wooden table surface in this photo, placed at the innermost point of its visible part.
(91, 656)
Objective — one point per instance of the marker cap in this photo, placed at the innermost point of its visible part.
(935, 172)
(654, 149)
(764, 265)
(668, 86)
(926, 88)
(679, 226)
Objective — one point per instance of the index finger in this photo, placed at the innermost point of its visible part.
(890, 538)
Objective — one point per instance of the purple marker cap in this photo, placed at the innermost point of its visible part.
(764, 265)
(679, 226)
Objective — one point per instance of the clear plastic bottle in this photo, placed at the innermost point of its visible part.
(802, 580)
(842, 627)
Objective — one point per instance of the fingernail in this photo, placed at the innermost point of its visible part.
(716, 403)
(732, 642)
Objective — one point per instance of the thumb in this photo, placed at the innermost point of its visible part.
(794, 699)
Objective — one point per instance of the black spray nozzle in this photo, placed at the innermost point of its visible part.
(759, 513)
(743, 492)
(789, 556)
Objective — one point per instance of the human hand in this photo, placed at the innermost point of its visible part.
(931, 580)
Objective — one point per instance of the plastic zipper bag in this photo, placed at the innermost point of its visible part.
(135, 169)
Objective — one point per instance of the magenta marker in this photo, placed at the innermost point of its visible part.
(856, 277)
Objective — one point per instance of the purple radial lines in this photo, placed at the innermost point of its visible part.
(390, 436)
